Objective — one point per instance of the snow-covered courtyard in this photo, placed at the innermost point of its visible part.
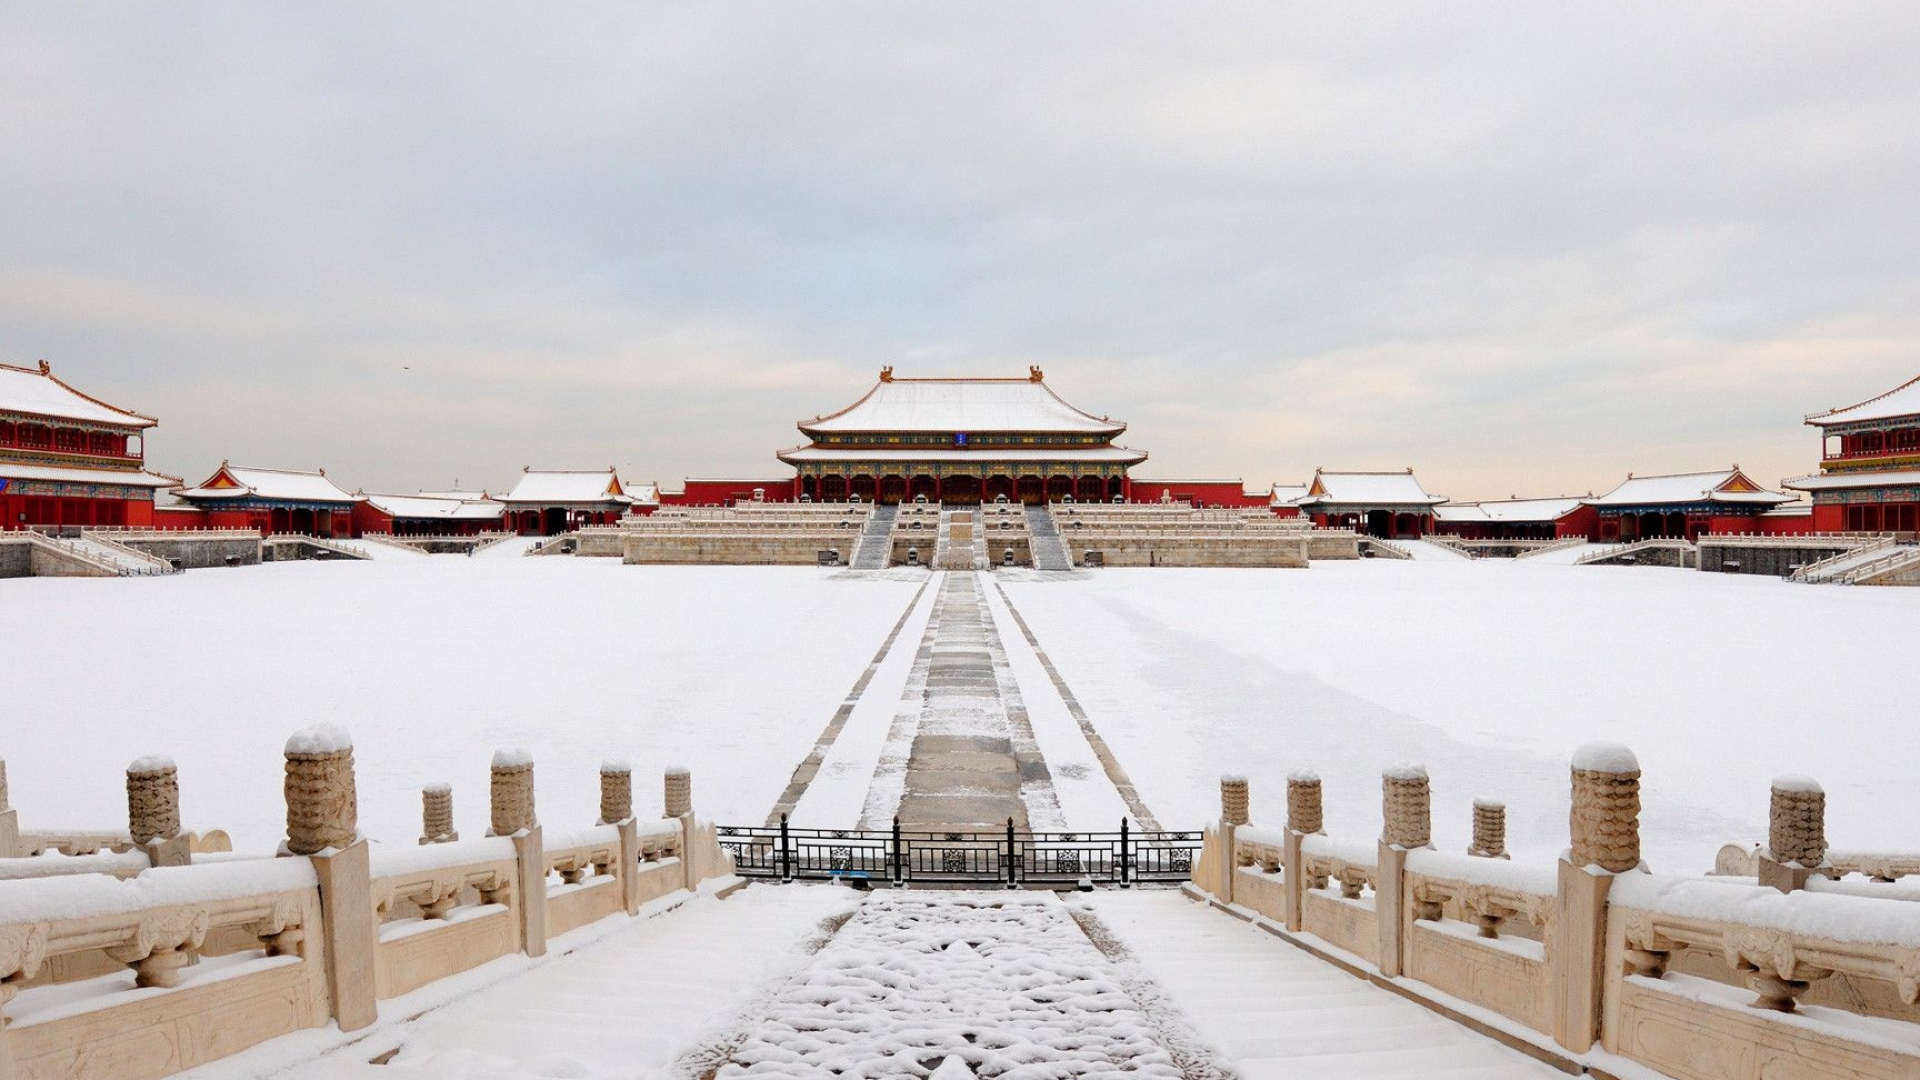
(1490, 673)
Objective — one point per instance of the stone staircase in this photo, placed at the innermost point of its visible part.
(131, 562)
(875, 549)
(1043, 534)
(1892, 564)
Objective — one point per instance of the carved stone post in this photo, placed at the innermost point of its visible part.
(1303, 819)
(1233, 799)
(616, 809)
(1605, 823)
(1407, 814)
(1489, 829)
(436, 814)
(1303, 802)
(1233, 815)
(616, 792)
(323, 824)
(679, 791)
(153, 811)
(1796, 833)
(512, 793)
(513, 816)
(9, 820)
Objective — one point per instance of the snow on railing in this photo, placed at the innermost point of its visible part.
(303, 941)
(1718, 957)
(1561, 544)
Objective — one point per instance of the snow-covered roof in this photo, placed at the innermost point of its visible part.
(454, 494)
(1369, 488)
(1510, 510)
(1113, 454)
(238, 482)
(424, 507)
(1287, 494)
(35, 391)
(644, 494)
(1844, 480)
(561, 487)
(1719, 486)
(961, 405)
(1902, 400)
(130, 478)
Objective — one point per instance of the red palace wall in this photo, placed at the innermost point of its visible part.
(1231, 494)
(27, 511)
(180, 517)
(726, 492)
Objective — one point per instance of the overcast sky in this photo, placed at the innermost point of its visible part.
(1525, 249)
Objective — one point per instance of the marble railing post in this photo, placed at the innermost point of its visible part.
(1489, 829)
(1407, 823)
(153, 812)
(1605, 827)
(513, 816)
(323, 825)
(616, 809)
(1303, 819)
(9, 820)
(1233, 814)
(1796, 833)
(436, 814)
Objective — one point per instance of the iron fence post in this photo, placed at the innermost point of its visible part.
(899, 868)
(1013, 878)
(786, 851)
(1126, 856)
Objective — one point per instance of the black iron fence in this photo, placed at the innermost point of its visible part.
(1010, 857)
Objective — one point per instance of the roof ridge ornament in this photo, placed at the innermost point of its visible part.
(886, 373)
(1034, 374)
(45, 368)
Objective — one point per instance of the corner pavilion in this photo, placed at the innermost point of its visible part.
(961, 441)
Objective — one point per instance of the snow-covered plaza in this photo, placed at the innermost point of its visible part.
(1488, 672)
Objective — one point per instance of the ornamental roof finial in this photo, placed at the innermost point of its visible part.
(46, 368)
(1034, 374)
(886, 373)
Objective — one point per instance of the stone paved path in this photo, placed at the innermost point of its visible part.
(961, 753)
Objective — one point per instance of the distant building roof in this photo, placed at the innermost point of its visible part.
(1728, 486)
(1118, 455)
(961, 405)
(1902, 400)
(59, 474)
(36, 392)
(1511, 511)
(561, 487)
(1368, 489)
(233, 482)
(1847, 480)
(435, 508)
(1287, 494)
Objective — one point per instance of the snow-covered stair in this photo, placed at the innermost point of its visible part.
(126, 559)
(627, 1006)
(876, 540)
(1277, 1013)
(1043, 534)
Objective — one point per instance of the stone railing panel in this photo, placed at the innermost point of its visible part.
(82, 957)
(442, 909)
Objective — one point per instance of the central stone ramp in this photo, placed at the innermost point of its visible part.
(961, 755)
(1007, 983)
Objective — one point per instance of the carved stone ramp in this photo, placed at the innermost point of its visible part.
(633, 1003)
(1278, 1013)
(1006, 983)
